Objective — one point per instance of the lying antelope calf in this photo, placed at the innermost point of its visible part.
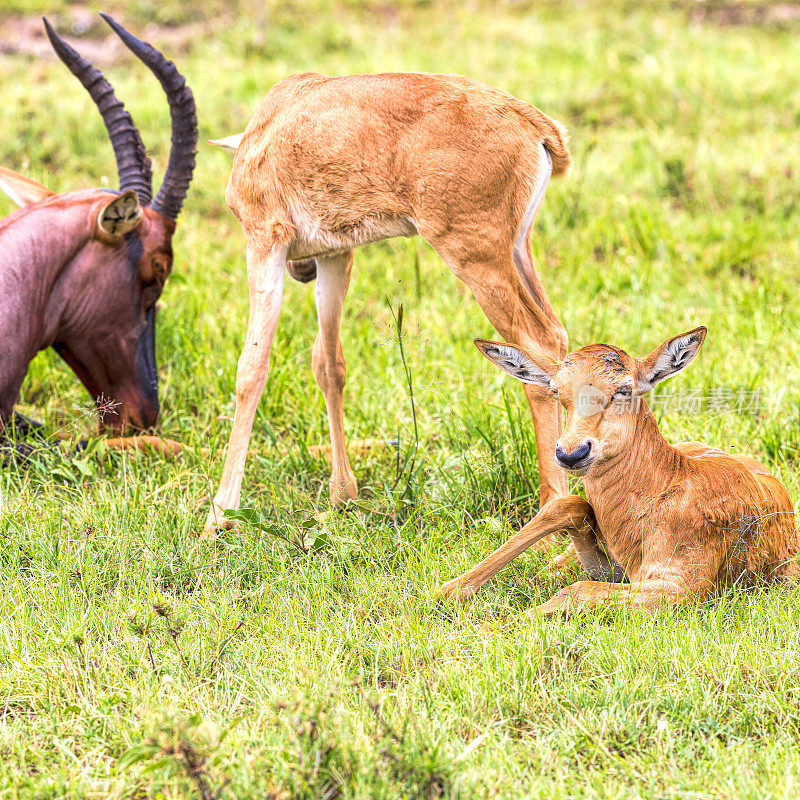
(662, 524)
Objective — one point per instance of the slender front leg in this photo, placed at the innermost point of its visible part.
(593, 557)
(564, 514)
(265, 278)
(649, 594)
(330, 367)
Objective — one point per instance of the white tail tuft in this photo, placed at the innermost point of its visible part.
(229, 142)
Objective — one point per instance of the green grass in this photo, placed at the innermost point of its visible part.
(335, 674)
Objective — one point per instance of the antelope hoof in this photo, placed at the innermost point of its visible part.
(456, 591)
(561, 603)
(216, 523)
(545, 610)
(564, 561)
(343, 490)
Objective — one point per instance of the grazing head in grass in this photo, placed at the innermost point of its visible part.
(85, 268)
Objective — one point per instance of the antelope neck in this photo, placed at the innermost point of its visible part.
(646, 468)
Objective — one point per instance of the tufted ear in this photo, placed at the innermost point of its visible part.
(668, 359)
(23, 191)
(537, 369)
(120, 215)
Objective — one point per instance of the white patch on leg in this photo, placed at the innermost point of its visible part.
(533, 207)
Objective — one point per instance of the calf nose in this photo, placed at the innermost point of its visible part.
(577, 455)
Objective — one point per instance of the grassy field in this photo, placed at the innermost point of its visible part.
(137, 662)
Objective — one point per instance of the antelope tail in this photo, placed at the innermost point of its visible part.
(553, 134)
(228, 142)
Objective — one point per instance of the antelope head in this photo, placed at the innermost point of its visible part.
(101, 312)
(600, 388)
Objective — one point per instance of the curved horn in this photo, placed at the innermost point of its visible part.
(133, 165)
(170, 196)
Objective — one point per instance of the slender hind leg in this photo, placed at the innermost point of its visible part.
(330, 368)
(523, 257)
(564, 561)
(600, 564)
(650, 594)
(523, 262)
(265, 270)
(530, 322)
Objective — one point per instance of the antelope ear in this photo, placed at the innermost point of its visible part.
(537, 369)
(23, 191)
(120, 215)
(669, 359)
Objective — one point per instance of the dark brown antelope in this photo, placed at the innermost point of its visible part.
(328, 164)
(81, 271)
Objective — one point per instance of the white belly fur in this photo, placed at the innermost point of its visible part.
(312, 239)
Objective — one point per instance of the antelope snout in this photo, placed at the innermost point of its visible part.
(129, 414)
(144, 417)
(578, 458)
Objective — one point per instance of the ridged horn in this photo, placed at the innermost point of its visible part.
(133, 165)
(170, 196)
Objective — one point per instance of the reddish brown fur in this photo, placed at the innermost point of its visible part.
(67, 284)
(327, 164)
(680, 521)
(81, 271)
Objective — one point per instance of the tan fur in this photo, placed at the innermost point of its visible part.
(328, 164)
(680, 522)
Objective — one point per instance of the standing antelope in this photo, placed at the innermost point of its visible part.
(661, 524)
(81, 271)
(328, 164)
